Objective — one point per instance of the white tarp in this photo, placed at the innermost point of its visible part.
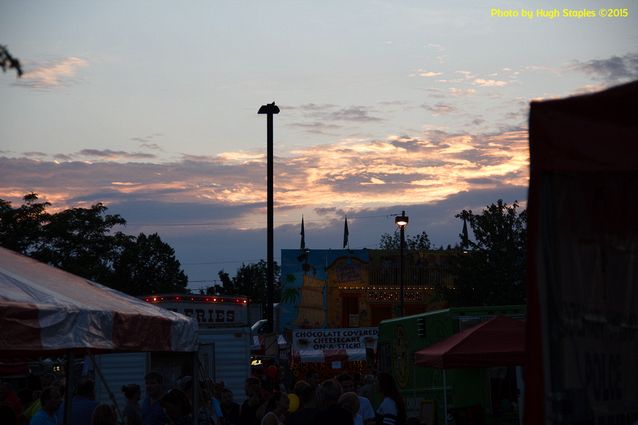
(43, 308)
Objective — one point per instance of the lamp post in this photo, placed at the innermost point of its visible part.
(402, 222)
(270, 110)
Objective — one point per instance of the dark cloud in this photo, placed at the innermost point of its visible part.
(436, 93)
(152, 146)
(329, 210)
(316, 127)
(35, 154)
(62, 157)
(440, 108)
(393, 103)
(313, 107)
(146, 141)
(612, 70)
(353, 113)
(483, 181)
(108, 153)
(323, 116)
(198, 158)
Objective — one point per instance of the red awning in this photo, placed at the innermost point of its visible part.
(499, 341)
(46, 310)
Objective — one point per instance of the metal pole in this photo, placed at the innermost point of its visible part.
(195, 391)
(70, 384)
(270, 109)
(402, 299)
(270, 213)
(445, 396)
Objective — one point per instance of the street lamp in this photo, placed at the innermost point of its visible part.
(269, 110)
(402, 222)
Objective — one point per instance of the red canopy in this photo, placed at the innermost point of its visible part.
(45, 310)
(499, 341)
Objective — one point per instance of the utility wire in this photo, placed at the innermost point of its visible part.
(225, 224)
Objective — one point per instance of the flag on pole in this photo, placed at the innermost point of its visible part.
(303, 236)
(465, 240)
(345, 234)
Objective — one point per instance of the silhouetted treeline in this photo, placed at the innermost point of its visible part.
(82, 241)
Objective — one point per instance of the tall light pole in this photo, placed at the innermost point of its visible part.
(270, 110)
(402, 222)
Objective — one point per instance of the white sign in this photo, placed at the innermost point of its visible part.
(211, 314)
(335, 339)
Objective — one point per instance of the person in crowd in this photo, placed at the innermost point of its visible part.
(329, 410)
(50, 401)
(230, 409)
(82, 404)
(286, 379)
(307, 410)
(7, 414)
(9, 397)
(215, 401)
(350, 401)
(312, 377)
(368, 386)
(207, 414)
(132, 413)
(365, 407)
(391, 411)
(248, 409)
(177, 407)
(152, 412)
(276, 409)
(270, 380)
(44, 381)
(104, 414)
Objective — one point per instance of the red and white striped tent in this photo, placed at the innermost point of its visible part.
(46, 310)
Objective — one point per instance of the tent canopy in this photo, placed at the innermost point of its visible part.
(499, 341)
(46, 310)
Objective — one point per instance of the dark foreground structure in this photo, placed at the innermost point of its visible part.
(582, 334)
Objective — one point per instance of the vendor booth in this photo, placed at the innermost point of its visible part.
(499, 341)
(45, 311)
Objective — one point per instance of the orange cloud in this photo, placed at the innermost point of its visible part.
(351, 174)
(489, 83)
(52, 75)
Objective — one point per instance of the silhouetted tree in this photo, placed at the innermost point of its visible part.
(147, 265)
(393, 241)
(490, 269)
(251, 281)
(79, 240)
(7, 61)
(82, 241)
(21, 229)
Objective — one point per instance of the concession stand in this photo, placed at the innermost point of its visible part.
(45, 311)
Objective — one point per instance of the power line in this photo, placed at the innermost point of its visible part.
(204, 263)
(225, 224)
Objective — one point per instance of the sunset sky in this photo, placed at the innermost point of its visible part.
(151, 108)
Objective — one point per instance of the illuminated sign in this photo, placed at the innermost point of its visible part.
(209, 311)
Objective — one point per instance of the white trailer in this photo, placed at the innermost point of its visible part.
(224, 348)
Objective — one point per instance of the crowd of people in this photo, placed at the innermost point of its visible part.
(335, 401)
(340, 400)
